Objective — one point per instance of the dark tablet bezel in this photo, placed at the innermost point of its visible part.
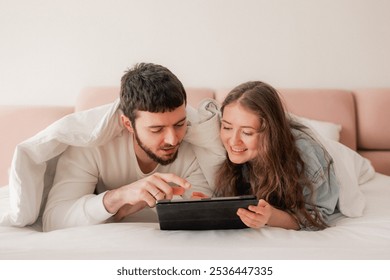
(203, 214)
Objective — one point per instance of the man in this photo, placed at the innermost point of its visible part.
(146, 162)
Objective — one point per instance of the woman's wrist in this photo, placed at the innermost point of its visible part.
(283, 219)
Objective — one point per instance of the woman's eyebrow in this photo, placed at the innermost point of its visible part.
(243, 126)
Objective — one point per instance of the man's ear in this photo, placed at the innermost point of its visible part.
(127, 123)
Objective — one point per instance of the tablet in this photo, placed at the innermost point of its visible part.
(203, 214)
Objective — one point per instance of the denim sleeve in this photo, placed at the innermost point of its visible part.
(320, 170)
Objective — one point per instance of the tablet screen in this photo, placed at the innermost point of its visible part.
(203, 214)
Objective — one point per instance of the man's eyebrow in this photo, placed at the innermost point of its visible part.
(159, 126)
(182, 120)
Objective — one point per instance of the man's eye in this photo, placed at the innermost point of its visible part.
(156, 130)
(179, 124)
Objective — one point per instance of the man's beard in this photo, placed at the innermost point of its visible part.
(152, 155)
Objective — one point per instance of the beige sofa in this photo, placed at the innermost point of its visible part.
(363, 115)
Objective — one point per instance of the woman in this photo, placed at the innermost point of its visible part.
(275, 158)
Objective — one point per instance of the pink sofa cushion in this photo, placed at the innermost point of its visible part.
(373, 117)
(94, 96)
(379, 159)
(335, 106)
(91, 97)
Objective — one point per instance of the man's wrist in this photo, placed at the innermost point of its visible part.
(112, 201)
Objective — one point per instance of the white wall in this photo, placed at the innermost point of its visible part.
(50, 49)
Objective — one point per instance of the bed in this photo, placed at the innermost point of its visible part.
(366, 237)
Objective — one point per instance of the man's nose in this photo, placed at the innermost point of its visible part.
(170, 137)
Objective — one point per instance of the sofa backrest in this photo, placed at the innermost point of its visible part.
(373, 118)
(94, 96)
(17, 123)
(363, 115)
(373, 128)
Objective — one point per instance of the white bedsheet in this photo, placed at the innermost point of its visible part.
(366, 237)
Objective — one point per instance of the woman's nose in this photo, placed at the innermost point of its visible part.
(235, 138)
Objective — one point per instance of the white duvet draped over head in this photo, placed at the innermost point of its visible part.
(34, 162)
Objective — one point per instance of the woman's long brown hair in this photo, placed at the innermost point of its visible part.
(278, 173)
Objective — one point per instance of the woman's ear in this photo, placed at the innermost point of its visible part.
(127, 123)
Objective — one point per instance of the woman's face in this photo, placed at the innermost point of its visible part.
(240, 133)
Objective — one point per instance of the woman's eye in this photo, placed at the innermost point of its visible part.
(226, 128)
(247, 133)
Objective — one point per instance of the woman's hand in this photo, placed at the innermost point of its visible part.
(256, 216)
(265, 214)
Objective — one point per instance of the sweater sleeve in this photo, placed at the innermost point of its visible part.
(71, 201)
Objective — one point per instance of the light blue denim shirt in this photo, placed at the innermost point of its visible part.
(319, 168)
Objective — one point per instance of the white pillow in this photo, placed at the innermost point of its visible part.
(327, 130)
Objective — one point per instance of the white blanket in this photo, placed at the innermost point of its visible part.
(34, 161)
(351, 170)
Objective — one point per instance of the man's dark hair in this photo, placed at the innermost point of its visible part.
(152, 88)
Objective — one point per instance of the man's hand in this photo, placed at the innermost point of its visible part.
(144, 192)
(129, 209)
(197, 195)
